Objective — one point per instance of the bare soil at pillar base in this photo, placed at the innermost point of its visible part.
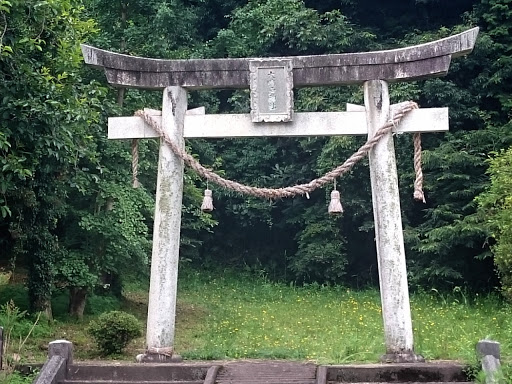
(229, 316)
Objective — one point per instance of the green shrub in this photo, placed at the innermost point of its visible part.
(113, 330)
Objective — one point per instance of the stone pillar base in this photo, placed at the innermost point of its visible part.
(158, 358)
(402, 358)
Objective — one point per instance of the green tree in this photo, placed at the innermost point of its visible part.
(447, 237)
(281, 236)
(123, 27)
(152, 28)
(69, 213)
(273, 28)
(44, 128)
(496, 209)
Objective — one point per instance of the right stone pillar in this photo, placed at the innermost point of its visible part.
(394, 291)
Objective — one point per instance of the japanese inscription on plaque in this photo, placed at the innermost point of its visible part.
(271, 90)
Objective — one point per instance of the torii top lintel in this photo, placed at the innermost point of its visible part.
(410, 63)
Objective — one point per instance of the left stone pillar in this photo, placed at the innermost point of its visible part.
(166, 233)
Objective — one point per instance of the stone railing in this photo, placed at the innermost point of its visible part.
(60, 356)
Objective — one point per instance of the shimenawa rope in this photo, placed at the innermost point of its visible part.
(300, 189)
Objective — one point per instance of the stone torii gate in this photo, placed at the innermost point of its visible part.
(271, 82)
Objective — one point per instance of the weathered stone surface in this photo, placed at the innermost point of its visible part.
(389, 241)
(53, 371)
(135, 372)
(382, 373)
(60, 356)
(303, 124)
(426, 60)
(271, 90)
(321, 374)
(202, 79)
(488, 347)
(492, 367)
(211, 375)
(266, 372)
(62, 348)
(167, 224)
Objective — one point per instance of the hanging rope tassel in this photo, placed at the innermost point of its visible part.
(335, 207)
(207, 205)
(418, 183)
(135, 163)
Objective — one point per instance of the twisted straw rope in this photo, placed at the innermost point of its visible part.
(166, 351)
(275, 193)
(135, 163)
(418, 183)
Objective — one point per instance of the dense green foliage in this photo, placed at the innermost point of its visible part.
(47, 113)
(496, 207)
(112, 331)
(65, 194)
(70, 217)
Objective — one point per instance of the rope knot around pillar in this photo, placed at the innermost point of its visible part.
(165, 351)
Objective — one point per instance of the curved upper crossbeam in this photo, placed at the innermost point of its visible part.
(410, 63)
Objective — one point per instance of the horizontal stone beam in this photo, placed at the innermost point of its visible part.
(316, 76)
(303, 124)
(416, 62)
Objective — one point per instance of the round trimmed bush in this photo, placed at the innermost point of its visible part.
(113, 330)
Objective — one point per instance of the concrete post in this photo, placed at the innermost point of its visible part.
(60, 358)
(394, 291)
(62, 348)
(488, 352)
(166, 235)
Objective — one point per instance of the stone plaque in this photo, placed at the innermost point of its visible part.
(271, 90)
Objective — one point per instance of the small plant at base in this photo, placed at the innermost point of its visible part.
(114, 330)
(7, 377)
(14, 322)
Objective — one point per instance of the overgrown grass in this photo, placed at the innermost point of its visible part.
(230, 315)
(254, 318)
(448, 327)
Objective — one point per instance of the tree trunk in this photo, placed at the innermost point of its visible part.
(77, 297)
(45, 307)
(40, 274)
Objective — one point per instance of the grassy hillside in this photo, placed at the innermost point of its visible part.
(230, 315)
